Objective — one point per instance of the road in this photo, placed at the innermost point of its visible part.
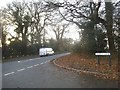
(41, 73)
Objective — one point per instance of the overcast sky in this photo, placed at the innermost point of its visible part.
(4, 2)
(72, 29)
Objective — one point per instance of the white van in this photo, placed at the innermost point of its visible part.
(45, 51)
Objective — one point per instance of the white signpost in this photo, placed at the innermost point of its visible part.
(103, 54)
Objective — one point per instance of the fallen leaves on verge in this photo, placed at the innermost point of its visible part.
(89, 63)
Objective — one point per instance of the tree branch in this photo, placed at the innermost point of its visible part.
(70, 20)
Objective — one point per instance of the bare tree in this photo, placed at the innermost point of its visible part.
(59, 31)
(39, 17)
(3, 26)
(109, 23)
(22, 20)
(81, 11)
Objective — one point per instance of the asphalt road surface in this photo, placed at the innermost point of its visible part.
(41, 73)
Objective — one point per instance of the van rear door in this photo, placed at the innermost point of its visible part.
(42, 51)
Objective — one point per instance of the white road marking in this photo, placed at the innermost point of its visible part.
(45, 62)
(30, 59)
(19, 61)
(27, 67)
(42, 63)
(9, 73)
(26, 60)
(49, 60)
(36, 65)
(36, 58)
(30, 67)
(21, 69)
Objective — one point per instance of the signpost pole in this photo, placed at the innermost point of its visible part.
(109, 60)
(98, 60)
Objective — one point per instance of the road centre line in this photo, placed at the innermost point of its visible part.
(33, 58)
(49, 60)
(41, 63)
(21, 69)
(9, 73)
(25, 69)
(46, 61)
(36, 58)
(36, 64)
(30, 67)
(26, 60)
(30, 59)
(19, 61)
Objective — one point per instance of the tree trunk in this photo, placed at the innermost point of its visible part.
(109, 25)
(24, 44)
